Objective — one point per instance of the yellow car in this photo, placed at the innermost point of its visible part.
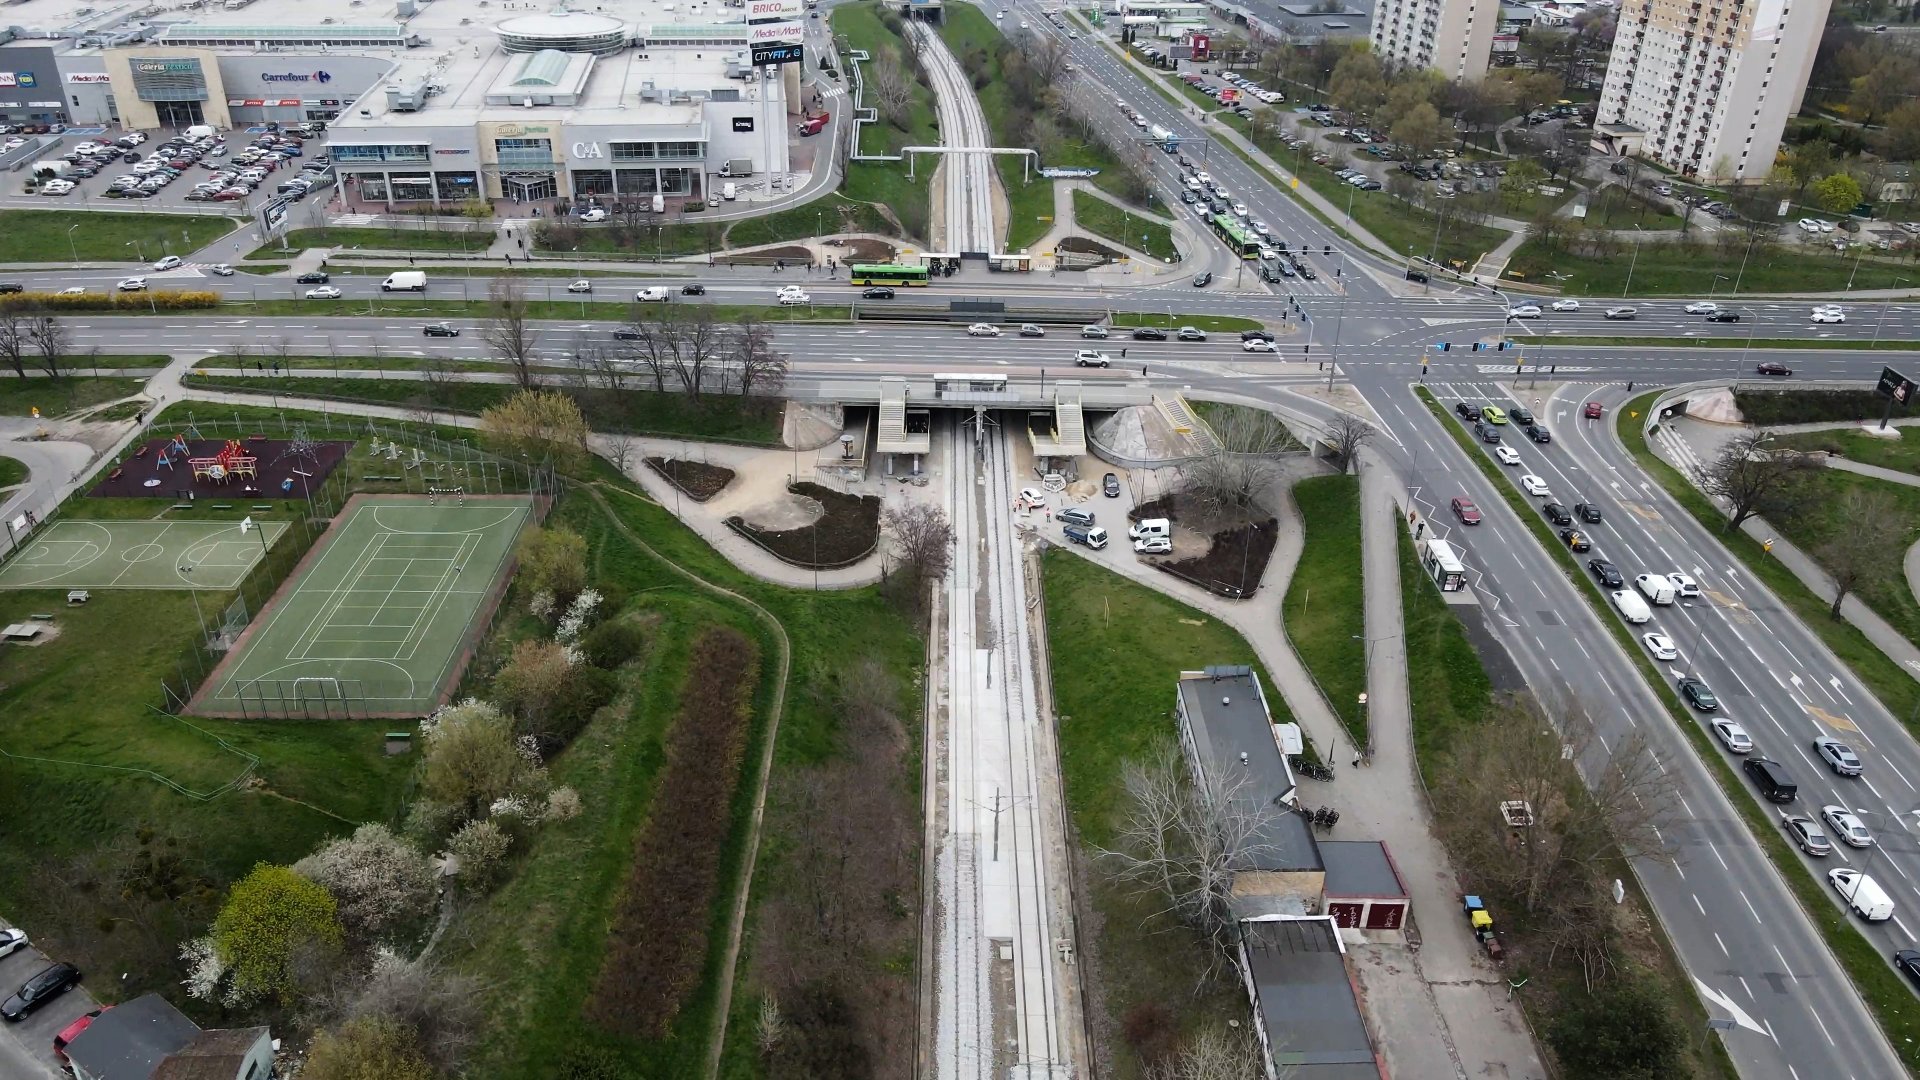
(1493, 414)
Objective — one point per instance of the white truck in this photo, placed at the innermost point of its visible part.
(1657, 589)
(49, 167)
(1863, 894)
(405, 281)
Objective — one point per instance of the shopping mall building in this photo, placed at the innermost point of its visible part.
(454, 101)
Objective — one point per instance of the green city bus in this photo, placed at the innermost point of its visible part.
(888, 274)
(1236, 236)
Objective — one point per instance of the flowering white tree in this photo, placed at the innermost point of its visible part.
(381, 882)
(579, 616)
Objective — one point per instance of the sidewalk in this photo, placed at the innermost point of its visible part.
(1477, 1027)
(1683, 443)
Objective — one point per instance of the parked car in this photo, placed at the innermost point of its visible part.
(12, 941)
(1110, 486)
(50, 983)
(1575, 541)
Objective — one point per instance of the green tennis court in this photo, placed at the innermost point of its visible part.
(79, 554)
(379, 617)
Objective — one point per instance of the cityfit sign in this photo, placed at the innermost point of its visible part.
(312, 76)
(774, 9)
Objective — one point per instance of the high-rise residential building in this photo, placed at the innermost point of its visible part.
(1453, 37)
(1705, 87)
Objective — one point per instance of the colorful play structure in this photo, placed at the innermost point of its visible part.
(232, 460)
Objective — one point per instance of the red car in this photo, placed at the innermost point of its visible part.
(72, 1031)
(1594, 409)
(1468, 513)
(1773, 369)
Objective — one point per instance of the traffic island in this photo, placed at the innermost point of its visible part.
(843, 529)
(697, 480)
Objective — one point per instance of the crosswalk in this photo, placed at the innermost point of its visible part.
(355, 219)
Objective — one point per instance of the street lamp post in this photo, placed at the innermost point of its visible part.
(1631, 263)
(1752, 325)
(1856, 266)
(71, 246)
(1715, 287)
(1885, 301)
(1743, 266)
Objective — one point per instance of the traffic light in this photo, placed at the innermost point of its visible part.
(1326, 249)
(1446, 346)
(1504, 344)
(1478, 345)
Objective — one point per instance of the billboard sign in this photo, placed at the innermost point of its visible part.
(1897, 387)
(782, 33)
(758, 10)
(768, 55)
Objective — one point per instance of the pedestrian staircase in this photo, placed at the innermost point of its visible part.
(893, 412)
(1180, 415)
(1070, 426)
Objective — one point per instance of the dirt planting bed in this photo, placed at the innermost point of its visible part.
(846, 531)
(697, 480)
(1233, 566)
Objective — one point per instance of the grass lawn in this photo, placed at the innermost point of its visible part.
(1447, 687)
(12, 472)
(57, 397)
(571, 310)
(59, 235)
(1324, 610)
(1117, 648)
(1663, 268)
(458, 234)
(1902, 453)
(723, 418)
(1210, 323)
(1885, 344)
(885, 183)
(1613, 207)
(1819, 521)
(656, 238)
(822, 217)
(1101, 218)
(108, 361)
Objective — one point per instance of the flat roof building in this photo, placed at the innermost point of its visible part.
(1453, 37)
(1305, 1010)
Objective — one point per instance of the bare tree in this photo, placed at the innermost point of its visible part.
(1046, 57)
(1235, 473)
(1528, 754)
(701, 345)
(1866, 545)
(14, 340)
(892, 88)
(1749, 479)
(49, 338)
(763, 368)
(1346, 434)
(620, 451)
(649, 342)
(922, 539)
(507, 330)
(1213, 1053)
(1185, 835)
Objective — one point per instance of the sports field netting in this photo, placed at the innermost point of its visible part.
(80, 554)
(378, 619)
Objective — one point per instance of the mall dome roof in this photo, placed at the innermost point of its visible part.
(565, 31)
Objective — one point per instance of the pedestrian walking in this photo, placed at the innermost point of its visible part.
(259, 368)
(1356, 759)
(1123, 354)
(409, 260)
(1629, 386)
(1143, 371)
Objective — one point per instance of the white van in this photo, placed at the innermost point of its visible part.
(729, 191)
(1657, 589)
(1863, 894)
(405, 281)
(652, 294)
(1150, 527)
(1631, 607)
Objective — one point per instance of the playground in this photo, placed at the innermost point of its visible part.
(380, 617)
(185, 466)
(77, 554)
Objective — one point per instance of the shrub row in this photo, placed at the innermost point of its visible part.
(1765, 407)
(163, 299)
(844, 535)
(698, 480)
(658, 946)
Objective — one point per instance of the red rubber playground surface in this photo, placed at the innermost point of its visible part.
(141, 475)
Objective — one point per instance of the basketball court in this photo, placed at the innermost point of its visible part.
(380, 616)
(80, 554)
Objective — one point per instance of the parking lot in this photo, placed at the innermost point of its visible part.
(166, 169)
(26, 1047)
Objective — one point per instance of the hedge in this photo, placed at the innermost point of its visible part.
(161, 299)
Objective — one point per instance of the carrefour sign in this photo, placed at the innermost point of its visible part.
(314, 76)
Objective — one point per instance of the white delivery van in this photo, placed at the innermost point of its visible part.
(1863, 894)
(1657, 589)
(1150, 527)
(1631, 607)
(652, 294)
(405, 281)
(729, 191)
(199, 131)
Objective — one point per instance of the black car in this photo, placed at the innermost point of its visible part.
(11, 287)
(440, 329)
(39, 990)
(1781, 370)
(1520, 416)
(1203, 280)
(878, 292)
(1305, 271)
(1149, 333)
(1110, 486)
(1489, 433)
(312, 277)
(1538, 433)
(1724, 316)
(1606, 572)
(1256, 335)
(693, 289)
(1557, 514)
(1587, 512)
(627, 335)
(1189, 198)
(1467, 410)
(1575, 540)
(1699, 694)
(1417, 275)
(1908, 961)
